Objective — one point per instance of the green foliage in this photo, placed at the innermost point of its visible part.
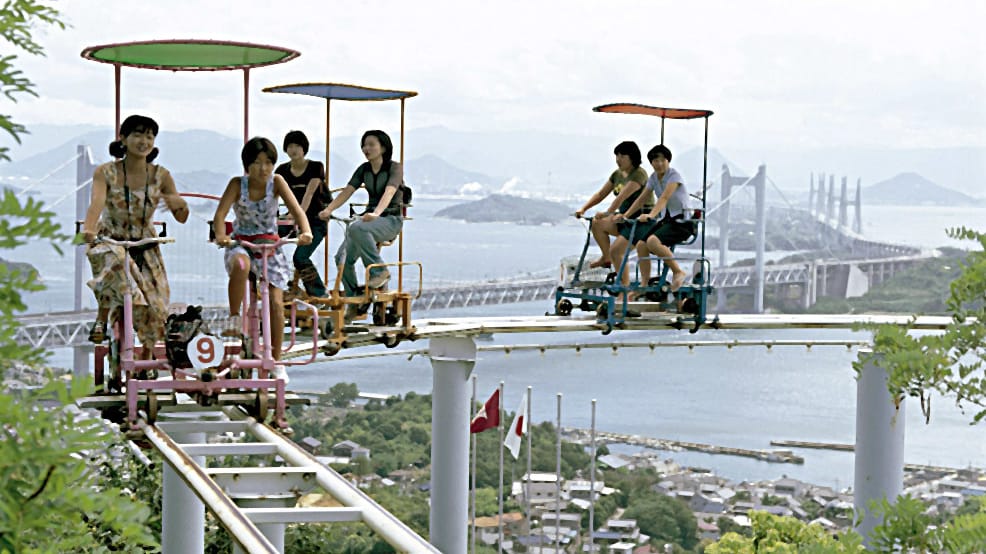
(486, 502)
(785, 535)
(664, 518)
(50, 498)
(728, 525)
(341, 394)
(19, 225)
(18, 19)
(906, 527)
(952, 362)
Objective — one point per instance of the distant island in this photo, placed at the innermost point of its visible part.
(508, 209)
(20, 267)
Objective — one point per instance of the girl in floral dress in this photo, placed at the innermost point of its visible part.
(254, 199)
(125, 195)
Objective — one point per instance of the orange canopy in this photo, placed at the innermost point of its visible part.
(640, 109)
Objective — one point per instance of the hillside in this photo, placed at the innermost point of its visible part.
(508, 209)
(430, 174)
(911, 189)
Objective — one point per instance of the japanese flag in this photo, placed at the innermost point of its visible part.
(517, 429)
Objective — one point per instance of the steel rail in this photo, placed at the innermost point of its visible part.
(391, 529)
(222, 506)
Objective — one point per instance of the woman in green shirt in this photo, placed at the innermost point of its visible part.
(382, 220)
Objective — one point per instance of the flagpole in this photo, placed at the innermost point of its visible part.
(527, 485)
(592, 483)
(558, 482)
(499, 442)
(472, 492)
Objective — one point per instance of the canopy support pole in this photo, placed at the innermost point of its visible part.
(328, 186)
(400, 237)
(116, 88)
(246, 104)
(705, 178)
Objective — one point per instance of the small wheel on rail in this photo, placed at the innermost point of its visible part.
(602, 312)
(392, 317)
(259, 411)
(152, 407)
(564, 307)
(325, 328)
(115, 382)
(379, 314)
(331, 349)
(391, 341)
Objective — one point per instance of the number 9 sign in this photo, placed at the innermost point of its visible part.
(205, 351)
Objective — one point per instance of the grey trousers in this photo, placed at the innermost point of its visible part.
(361, 244)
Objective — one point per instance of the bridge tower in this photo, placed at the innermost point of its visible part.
(830, 206)
(725, 190)
(843, 205)
(811, 193)
(857, 225)
(820, 191)
(84, 168)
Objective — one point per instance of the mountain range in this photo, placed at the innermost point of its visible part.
(911, 189)
(536, 164)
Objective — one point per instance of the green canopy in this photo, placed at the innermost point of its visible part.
(189, 55)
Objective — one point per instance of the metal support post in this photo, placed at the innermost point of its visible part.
(273, 531)
(182, 512)
(879, 444)
(452, 361)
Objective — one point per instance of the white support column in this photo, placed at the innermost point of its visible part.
(273, 531)
(879, 444)
(182, 513)
(452, 360)
(760, 184)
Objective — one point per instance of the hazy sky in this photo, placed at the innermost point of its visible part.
(778, 74)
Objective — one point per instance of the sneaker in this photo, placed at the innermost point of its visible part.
(234, 326)
(378, 280)
(280, 372)
(97, 334)
(678, 280)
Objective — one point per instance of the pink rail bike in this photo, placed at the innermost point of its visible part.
(256, 346)
(138, 379)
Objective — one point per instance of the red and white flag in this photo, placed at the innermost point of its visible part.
(517, 429)
(488, 417)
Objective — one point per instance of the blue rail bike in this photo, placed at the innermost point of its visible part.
(602, 291)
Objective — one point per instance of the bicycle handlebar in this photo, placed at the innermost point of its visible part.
(133, 243)
(265, 246)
